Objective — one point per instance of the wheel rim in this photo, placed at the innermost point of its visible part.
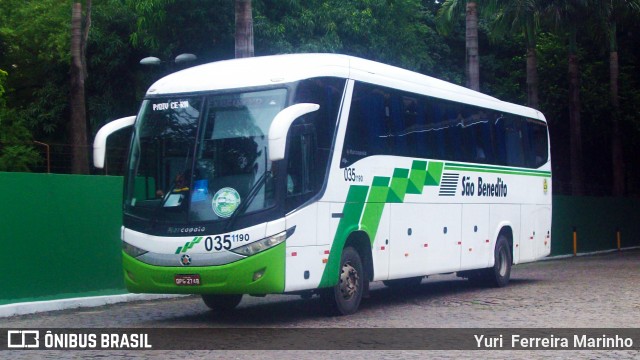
(349, 280)
(502, 270)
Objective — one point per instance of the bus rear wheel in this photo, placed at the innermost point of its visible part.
(221, 302)
(500, 273)
(344, 298)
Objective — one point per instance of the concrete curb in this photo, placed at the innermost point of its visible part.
(560, 257)
(73, 303)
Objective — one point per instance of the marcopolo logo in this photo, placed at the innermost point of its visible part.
(225, 202)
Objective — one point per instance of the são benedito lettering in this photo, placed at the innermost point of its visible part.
(497, 189)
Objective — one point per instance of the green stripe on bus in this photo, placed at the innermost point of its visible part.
(353, 207)
(497, 170)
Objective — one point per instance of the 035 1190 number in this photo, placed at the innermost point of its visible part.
(220, 242)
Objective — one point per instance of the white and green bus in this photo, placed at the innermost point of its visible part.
(320, 173)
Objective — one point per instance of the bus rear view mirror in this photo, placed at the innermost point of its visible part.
(280, 127)
(100, 142)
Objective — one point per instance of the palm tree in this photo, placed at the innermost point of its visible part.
(567, 15)
(521, 16)
(446, 16)
(244, 29)
(78, 126)
(612, 12)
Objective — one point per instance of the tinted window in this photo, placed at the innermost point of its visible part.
(390, 122)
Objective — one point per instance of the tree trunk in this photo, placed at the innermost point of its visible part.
(617, 156)
(577, 186)
(532, 67)
(244, 29)
(471, 39)
(532, 79)
(80, 154)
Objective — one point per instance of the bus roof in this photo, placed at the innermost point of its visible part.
(276, 69)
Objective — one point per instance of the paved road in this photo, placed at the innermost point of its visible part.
(584, 292)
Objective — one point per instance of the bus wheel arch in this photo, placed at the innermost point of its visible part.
(507, 232)
(499, 274)
(360, 241)
(354, 273)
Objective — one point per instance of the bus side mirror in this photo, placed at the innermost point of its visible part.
(100, 142)
(280, 127)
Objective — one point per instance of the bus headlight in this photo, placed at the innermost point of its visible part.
(261, 245)
(132, 250)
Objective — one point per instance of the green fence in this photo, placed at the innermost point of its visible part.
(60, 234)
(596, 220)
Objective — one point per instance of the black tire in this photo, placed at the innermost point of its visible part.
(403, 284)
(500, 273)
(220, 303)
(344, 298)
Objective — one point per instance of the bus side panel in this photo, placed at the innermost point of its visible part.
(476, 246)
(536, 229)
(527, 244)
(304, 267)
(380, 247)
(303, 260)
(543, 232)
(425, 239)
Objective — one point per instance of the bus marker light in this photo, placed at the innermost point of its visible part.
(324, 261)
(406, 254)
(382, 248)
(426, 245)
(258, 274)
(326, 252)
(487, 241)
(295, 253)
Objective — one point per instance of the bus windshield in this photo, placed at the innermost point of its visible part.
(197, 158)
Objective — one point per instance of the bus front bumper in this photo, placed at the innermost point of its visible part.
(263, 273)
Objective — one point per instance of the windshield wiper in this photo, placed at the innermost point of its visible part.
(253, 191)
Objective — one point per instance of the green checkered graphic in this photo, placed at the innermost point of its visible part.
(364, 205)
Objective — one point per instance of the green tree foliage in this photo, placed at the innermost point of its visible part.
(397, 32)
(15, 152)
(35, 41)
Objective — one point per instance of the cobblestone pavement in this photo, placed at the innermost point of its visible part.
(585, 292)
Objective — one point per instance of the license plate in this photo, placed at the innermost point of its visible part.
(187, 280)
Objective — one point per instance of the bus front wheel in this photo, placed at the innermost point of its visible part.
(344, 298)
(221, 302)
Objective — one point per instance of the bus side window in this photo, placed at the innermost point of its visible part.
(302, 180)
(397, 135)
(366, 130)
(513, 140)
(420, 135)
(537, 151)
(326, 92)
